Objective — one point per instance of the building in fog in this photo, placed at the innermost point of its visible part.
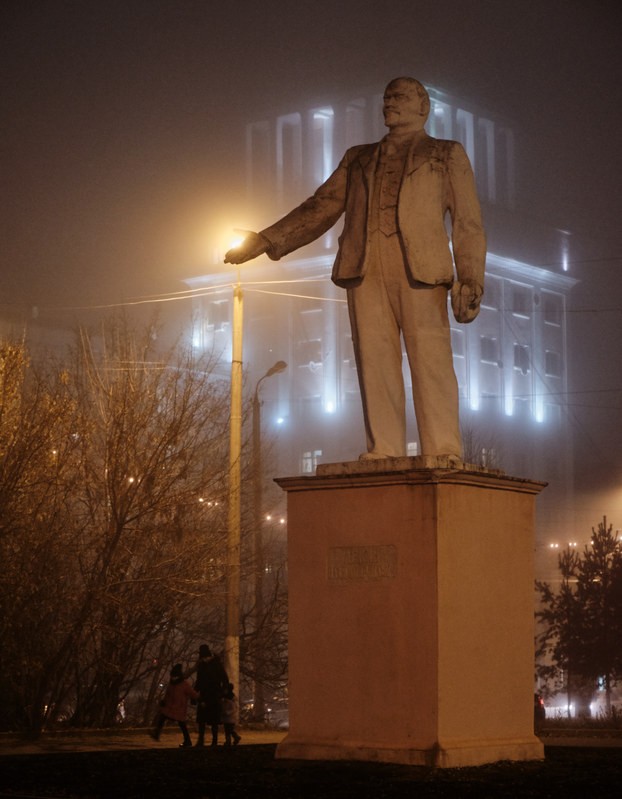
(511, 363)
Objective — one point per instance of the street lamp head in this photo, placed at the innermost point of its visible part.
(279, 366)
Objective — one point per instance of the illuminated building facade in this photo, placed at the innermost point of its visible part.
(511, 363)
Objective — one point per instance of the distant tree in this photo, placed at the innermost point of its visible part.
(581, 623)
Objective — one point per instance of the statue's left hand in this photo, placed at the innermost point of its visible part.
(466, 296)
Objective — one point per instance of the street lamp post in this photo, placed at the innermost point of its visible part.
(259, 700)
(232, 632)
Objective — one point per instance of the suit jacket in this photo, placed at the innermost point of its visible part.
(437, 179)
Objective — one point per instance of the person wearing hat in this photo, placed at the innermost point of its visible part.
(212, 683)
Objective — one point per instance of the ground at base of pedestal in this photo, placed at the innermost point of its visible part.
(464, 754)
(251, 771)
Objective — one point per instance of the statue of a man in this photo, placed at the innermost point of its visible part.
(395, 262)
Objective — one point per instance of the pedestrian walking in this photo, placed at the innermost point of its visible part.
(174, 705)
(211, 683)
(229, 711)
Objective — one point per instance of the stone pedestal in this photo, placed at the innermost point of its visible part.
(411, 615)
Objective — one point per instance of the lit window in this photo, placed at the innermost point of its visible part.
(218, 314)
(489, 349)
(552, 364)
(457, 343)
(488, 457)
(321, 144)
(309, 461)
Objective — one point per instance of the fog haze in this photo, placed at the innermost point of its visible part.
(122, 140)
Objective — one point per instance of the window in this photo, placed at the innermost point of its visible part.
(552, 309)
(464, 132)
(489, 349)
(355, 122)
(521, 358)
(521, 301)
(553, 413)
(552, 364)
(488, 457)
(289, 155)
(218, 314)
(440, 120)
(322, 144)
(485, 159)
(259, 156)
(309, 353)
(505, 184)
(309, 461)
(457, 343)
(492, 293)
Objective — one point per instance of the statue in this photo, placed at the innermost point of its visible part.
(396, 265)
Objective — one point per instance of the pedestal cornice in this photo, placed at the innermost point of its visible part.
(412, 471)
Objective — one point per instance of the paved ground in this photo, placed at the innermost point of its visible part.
(116, 739)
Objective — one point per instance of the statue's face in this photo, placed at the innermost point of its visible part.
(403, 107)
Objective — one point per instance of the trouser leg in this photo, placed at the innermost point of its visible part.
(214, 734)
(160, 721)
(425, 327)
(184, 731)
(201, 738)
(378, 352)
(384, 304)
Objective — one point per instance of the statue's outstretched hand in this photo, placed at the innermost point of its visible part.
(466, 296)
(253, 245)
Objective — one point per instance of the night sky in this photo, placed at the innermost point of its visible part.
(123, 124)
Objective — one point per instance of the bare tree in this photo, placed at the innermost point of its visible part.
(112, 482)
(481, 449)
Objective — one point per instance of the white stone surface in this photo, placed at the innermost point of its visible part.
(411, 617)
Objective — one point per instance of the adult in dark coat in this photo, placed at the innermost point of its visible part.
(211, 683)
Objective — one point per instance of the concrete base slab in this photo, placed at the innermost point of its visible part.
(448, 755)
(411, 615)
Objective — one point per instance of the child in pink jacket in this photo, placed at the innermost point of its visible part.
(174, 706)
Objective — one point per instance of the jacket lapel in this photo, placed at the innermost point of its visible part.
(419, 152)
(368, 159)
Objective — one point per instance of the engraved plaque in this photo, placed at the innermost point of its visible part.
(351, 564)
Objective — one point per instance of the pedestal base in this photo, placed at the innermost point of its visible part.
(411, 616)
(456, 754)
